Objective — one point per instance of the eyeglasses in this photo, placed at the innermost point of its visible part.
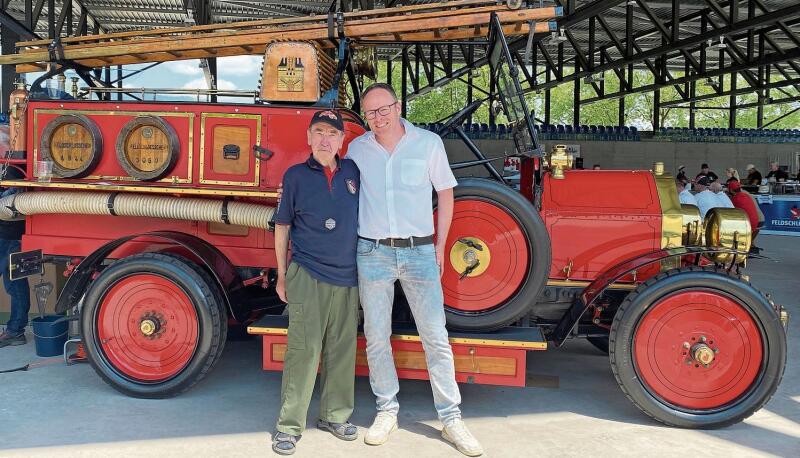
(383, 111)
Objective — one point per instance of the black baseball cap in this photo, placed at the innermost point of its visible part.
(330, 117)
(704, 166)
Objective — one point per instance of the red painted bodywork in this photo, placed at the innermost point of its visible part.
(283, 132)
(597, 219)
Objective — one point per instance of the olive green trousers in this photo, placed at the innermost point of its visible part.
(323, 321)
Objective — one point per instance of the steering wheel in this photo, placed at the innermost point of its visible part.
(458, 118)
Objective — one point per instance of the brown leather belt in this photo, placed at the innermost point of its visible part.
(403, 243)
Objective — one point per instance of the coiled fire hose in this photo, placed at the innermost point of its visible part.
(16, 206)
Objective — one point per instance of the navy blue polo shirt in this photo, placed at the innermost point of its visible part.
(324, 219)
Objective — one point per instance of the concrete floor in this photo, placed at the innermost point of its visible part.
(55, 410)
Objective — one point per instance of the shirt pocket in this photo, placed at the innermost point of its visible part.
(413, 171)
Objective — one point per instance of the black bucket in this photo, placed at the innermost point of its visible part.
(49, 336)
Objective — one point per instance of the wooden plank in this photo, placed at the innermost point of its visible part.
(266, 22)
(461, 34)
(236, 41)
(415, 360)
(289, 27)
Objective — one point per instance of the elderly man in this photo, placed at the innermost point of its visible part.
(400, 166)
(776, 173)
(723, 200)
(706, 199)
(319, 207)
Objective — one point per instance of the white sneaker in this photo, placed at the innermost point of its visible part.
(385, 423)
(459, 435)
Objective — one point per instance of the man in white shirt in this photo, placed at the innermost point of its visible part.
(722, 198)
(400, 166)
(706, 199)
(684, 194)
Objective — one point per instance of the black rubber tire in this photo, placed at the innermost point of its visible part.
(637, 304)
(600, 343)
(532, 225)
(206, 298)
(218, 298)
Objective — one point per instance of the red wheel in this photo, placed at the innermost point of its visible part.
(153, 324)
(147, 327)
(697, 348)
(484, 232)
(496, 256)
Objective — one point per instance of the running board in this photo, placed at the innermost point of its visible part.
(489, 358)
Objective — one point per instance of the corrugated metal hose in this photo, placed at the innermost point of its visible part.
(17, 206)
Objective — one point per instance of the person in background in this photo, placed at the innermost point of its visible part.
(706, 172)
(776, 173)
(681, 175)
(596, 167)
(722, 198)
(753, 176)
(684, 194)
(18, 290)
(743, 200)
(706, 199)
(731, 174)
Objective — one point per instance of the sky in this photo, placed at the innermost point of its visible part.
(233, 73)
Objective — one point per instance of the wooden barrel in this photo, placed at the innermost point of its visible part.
(73, 143)
(147, 148)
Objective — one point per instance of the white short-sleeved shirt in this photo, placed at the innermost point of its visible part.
(686, 197)
(396, 189)
(724, 200)
(706, 200)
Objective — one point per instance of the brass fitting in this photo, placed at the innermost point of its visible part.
(559, 160)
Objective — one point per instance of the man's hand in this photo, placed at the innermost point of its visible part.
(280, 192)
(440, 258)
(280, 287)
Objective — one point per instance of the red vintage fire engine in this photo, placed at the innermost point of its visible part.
(160, 212)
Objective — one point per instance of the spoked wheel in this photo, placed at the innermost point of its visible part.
(496, 259)
(153, 325)
(697, 348)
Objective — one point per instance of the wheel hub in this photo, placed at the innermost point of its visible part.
(152, 325)
(703, 354)
(470, 256)
(148, 327)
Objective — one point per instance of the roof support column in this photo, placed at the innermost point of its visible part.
(9, 38)
(547, 101)
(576, 106)
(404, 83)
(732, 103)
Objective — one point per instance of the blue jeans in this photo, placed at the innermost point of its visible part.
(18, 290)
(379, 267)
